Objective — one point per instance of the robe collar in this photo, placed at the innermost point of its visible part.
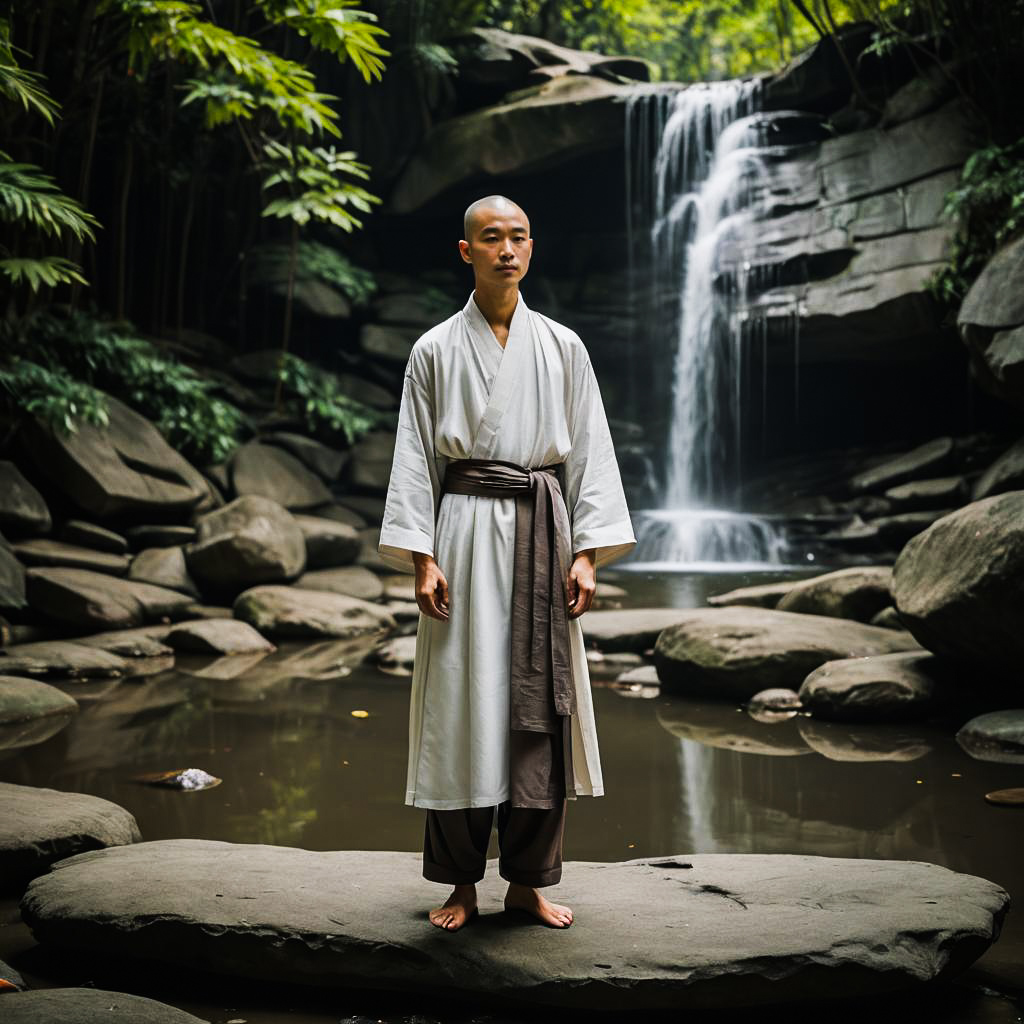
(478, 322)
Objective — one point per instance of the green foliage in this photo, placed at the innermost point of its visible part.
(312, 190)
(324, 404)
(30, 197)
(988, 206)
(24, 87)
(314, 261)
(52, 396)
(334, 26)
(77, 347)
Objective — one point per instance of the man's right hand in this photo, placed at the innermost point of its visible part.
(431, 587)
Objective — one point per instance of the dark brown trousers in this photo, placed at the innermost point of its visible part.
(529, 838)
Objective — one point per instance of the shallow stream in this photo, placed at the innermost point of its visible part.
(681, 777)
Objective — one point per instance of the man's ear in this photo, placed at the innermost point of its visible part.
(464, 251)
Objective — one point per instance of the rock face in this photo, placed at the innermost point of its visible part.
(858, 593)
(251, 540)
(42, 551)
(736, 652)
(126, 468)
(881, 688)
(570, 116)
(88, 600)
(751, 935)
(274, 473)
(288, 612)
(40, 826)
(926, 458)
(163, 567)
(353, 580)
(328, 543)
(991, 322)
(996, 736)
(22, 508)
(959, 585)
(89, 1006)
(1005, 474)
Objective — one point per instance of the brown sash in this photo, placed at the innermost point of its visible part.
(542, 694)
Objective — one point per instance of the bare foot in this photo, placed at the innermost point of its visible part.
(523, 897)
(457, 909)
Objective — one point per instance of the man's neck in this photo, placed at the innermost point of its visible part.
(497, 306)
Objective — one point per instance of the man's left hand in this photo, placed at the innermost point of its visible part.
(582, 583)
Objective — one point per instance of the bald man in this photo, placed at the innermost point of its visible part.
(504, 498)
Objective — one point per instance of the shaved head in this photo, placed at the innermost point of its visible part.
(495, 204)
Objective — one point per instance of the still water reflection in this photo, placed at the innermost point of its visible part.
(299, 769)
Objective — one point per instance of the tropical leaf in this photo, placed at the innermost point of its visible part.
(29, 196)
(42, 271)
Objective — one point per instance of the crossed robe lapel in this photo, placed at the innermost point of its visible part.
(507, 376)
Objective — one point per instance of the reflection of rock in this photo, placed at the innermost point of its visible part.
(996, 736)
(217, 636)
(224, 905)
(732, 653)
(16, 736)
(252, 540)
(631, 629)
(288, 612)
(88, 1006)
(957, 585)
(778, 698)
(225, 666)
(719, 726)
(855, 593)
(882, 742)
(396, 656)
(40, 826)
(880, 688)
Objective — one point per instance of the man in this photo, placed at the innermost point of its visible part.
(505, 496)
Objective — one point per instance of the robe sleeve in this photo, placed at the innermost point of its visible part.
(414, 488)
(593, 488)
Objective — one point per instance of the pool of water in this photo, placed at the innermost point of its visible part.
(300, 769)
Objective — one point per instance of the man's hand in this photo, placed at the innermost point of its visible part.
(582, 583)
(431, 587)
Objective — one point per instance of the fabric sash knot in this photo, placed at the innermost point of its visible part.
(541, 680)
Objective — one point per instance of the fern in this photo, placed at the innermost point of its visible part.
(22, 86)
(53, 396)
(314, 261)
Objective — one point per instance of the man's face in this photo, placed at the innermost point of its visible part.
(500, 247)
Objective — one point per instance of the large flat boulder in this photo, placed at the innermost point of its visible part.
(959, 585)
(63, 658)
(89, 1006)
(762, 595)
(859, 593)
(249, 541)
(353, 580)
(217, 636)
(735, 652)
(715, 931)
(924, 460)
(290, 612)
(40, 826)
(43, 551)
(1006, 473)
(124, 469)
(88, 600)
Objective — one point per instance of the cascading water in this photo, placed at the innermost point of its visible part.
(696, 177)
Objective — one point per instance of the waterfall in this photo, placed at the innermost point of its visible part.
(696, 177)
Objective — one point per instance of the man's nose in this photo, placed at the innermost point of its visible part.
(506, 249)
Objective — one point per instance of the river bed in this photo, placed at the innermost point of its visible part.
(299, 769)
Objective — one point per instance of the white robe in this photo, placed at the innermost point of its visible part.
(534, 402)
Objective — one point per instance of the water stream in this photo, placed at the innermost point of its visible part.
(698, 182)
